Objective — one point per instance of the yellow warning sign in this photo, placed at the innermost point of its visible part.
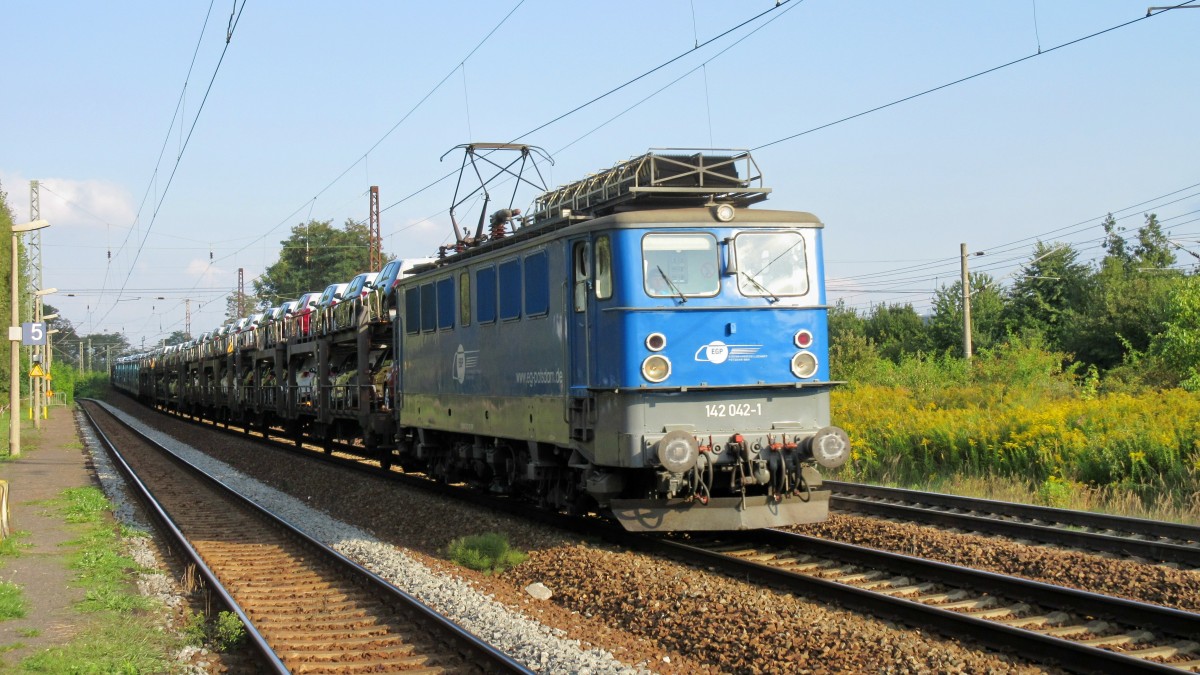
(49, 393)
(37, 371)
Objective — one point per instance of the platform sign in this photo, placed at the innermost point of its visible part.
(33, 333)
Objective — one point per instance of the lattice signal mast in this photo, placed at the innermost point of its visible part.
(375, 239)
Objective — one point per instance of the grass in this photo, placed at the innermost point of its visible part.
(488, 553)
(224, 633)
(119, 636)
(117, 644)
(12, 601)
(14, 545)
(102, 568)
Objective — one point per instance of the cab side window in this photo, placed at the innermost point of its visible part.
(580, 261)
(604, 281)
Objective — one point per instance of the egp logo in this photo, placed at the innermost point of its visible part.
(460, 365)
(713, 352)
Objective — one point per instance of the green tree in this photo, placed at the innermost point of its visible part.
(1115, 246)
(987, 315)
(177, 338)
(1128, 301)
(99, 349)
(850, 351)
(250, 305)
(897, 330)
(65, 342)
(7, 220)
(1178, 345)
(845, 321)
(314, 256)
(1153, 250)
(1049, 293)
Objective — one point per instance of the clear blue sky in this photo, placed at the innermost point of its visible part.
(309, 90)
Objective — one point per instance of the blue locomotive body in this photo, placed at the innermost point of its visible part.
(647, 346)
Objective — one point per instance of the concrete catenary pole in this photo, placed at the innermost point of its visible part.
(966, 302)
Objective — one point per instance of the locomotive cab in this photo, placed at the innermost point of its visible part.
(699, 373)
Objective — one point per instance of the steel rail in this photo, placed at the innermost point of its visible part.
(481, 651)
(1070, 655)
(922, 507)
(166, 526)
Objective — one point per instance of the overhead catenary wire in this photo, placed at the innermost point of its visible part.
(234, 20)
(391, 206)
(960, 80)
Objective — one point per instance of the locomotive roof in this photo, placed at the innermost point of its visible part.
(632, 218)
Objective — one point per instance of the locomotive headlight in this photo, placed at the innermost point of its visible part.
(656, 341)
(724, 212)
(656, 368)
(803, 338)
(677, 451)
(804, 365)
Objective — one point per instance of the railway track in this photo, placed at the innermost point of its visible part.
(1080, 631)
(1128, 537)
(307, 608)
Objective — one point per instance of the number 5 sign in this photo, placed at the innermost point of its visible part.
(33, 333)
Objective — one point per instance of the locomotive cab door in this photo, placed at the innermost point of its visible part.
(581, 308)
(580, 405)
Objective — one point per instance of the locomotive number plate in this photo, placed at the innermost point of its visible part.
(732, 409)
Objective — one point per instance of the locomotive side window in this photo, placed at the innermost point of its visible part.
(680, 265)
(445, 303)
(485, 296)
(771, 263)
(428, 308)
(537, 284)
(604, 284)
(580, 257)
(510, 290)
(412, 310)
(464, 298)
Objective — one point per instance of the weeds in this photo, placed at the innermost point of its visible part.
(1015, 414)
(12, 601)
(224, 634)
(119, 637)
(488, 553)
(14, 544)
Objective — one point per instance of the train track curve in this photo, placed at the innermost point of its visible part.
(307, 608)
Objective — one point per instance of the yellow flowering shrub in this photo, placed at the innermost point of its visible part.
(1149, 443)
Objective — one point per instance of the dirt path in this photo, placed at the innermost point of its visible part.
(52, 461)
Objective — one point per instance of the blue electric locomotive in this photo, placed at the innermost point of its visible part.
(644, 343)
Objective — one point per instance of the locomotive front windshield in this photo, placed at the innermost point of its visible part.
(678, 265)
(771, 263)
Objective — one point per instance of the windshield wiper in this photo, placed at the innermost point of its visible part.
(682, 297)
(771, 297)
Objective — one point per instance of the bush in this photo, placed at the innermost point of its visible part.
(91, 385)
(485, 553)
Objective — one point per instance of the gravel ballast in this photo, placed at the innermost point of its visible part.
(533, 644)
(650, 614)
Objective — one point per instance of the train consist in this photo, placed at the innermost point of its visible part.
(642, 345)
